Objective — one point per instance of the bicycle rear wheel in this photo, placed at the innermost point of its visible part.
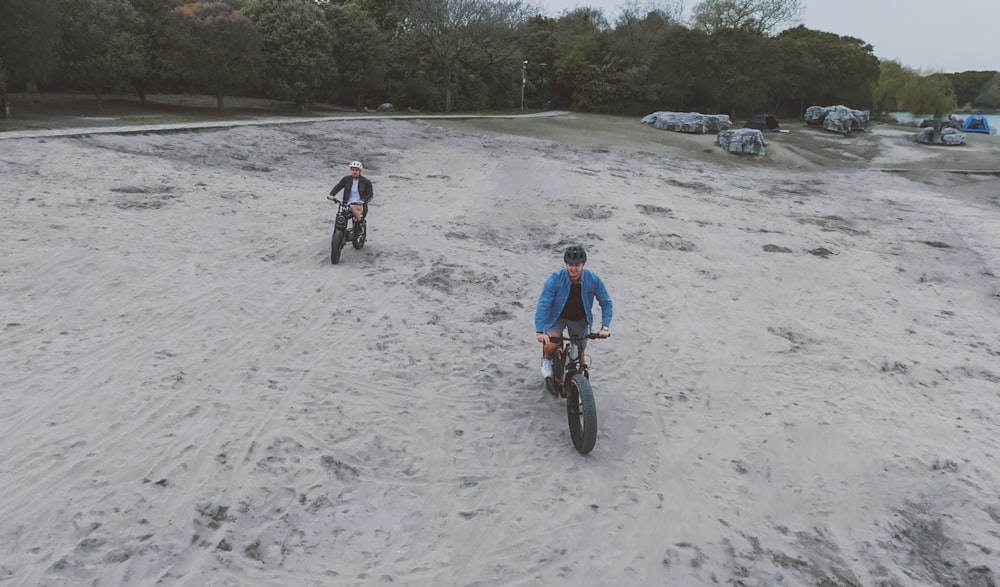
(582, 413)
(360, 235)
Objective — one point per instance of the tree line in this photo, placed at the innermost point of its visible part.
(731, 57)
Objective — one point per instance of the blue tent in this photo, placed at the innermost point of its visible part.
(976, 123)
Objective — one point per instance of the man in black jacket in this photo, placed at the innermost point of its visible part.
(357, 191)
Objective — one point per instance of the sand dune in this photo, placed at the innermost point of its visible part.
(802, 385)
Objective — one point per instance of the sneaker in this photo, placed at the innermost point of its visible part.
(546, 367)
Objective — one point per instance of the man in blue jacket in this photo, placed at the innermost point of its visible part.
(566, 303)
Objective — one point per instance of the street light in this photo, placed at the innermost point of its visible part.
(524, 81)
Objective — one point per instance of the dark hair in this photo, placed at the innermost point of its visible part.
(575, 254)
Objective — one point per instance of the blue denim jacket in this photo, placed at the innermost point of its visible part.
(556, 292)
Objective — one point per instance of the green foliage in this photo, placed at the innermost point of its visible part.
(989, 97)
(635, 40)
(500, 33)
(464, 54)
(740, 70)
(382, 12)
(102, 43)
(360, 50)
(29, 36)
(458, 45)
(759, 17)
(212, 48)
(893, 77)
(581, 54)
(969, 85)
(825, 69)
(681, 65)
(297, 48)
(927, 95)
(636, 35)
(538, 46)
(597, 86)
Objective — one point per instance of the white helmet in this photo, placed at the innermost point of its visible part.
(356, 164)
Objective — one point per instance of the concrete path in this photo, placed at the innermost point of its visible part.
(182, 126)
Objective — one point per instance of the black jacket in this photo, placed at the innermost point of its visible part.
(364, 188)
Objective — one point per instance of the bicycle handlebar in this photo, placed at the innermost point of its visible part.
(591, 335)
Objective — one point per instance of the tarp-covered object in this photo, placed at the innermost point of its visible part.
(947, 136)
(977, 123)
(690, 122)
(837, 118)
(742, 140)
(763, 123)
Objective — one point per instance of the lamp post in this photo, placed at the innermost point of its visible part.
(524, 81)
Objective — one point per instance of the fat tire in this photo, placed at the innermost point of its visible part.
(336, 244)
(359, 239)
(582, 414)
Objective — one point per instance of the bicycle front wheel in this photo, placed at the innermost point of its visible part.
(582, 413)
(336, 244)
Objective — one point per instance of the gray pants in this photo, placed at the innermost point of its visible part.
(574, 327)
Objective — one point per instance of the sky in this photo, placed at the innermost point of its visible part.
(949, 37)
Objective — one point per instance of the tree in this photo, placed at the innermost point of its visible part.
(212, 48)
(928, 95)
(893, 77)
(681, 63)
(990, 96)
(597, 89)
(451, 37)
(538, 46)
(500, 31)
(740, 71)
(669, 11)
(29, 33)
(969, 85)
(297, 48)
(152, 13)
(760, 17)
(634, 40)
(582, 58)
(382, 12)
(635, 34)
(360, 50)
(821, 68)
(101, 45)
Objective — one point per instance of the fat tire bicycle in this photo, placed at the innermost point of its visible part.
(571, 380)
(346, 229)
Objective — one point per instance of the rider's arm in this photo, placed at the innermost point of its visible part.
(338, 187)
(371, 192)
(604, 299)
(544, 303)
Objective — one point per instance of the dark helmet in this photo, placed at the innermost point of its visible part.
(575, 254)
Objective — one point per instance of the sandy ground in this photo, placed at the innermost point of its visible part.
(802, 386)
